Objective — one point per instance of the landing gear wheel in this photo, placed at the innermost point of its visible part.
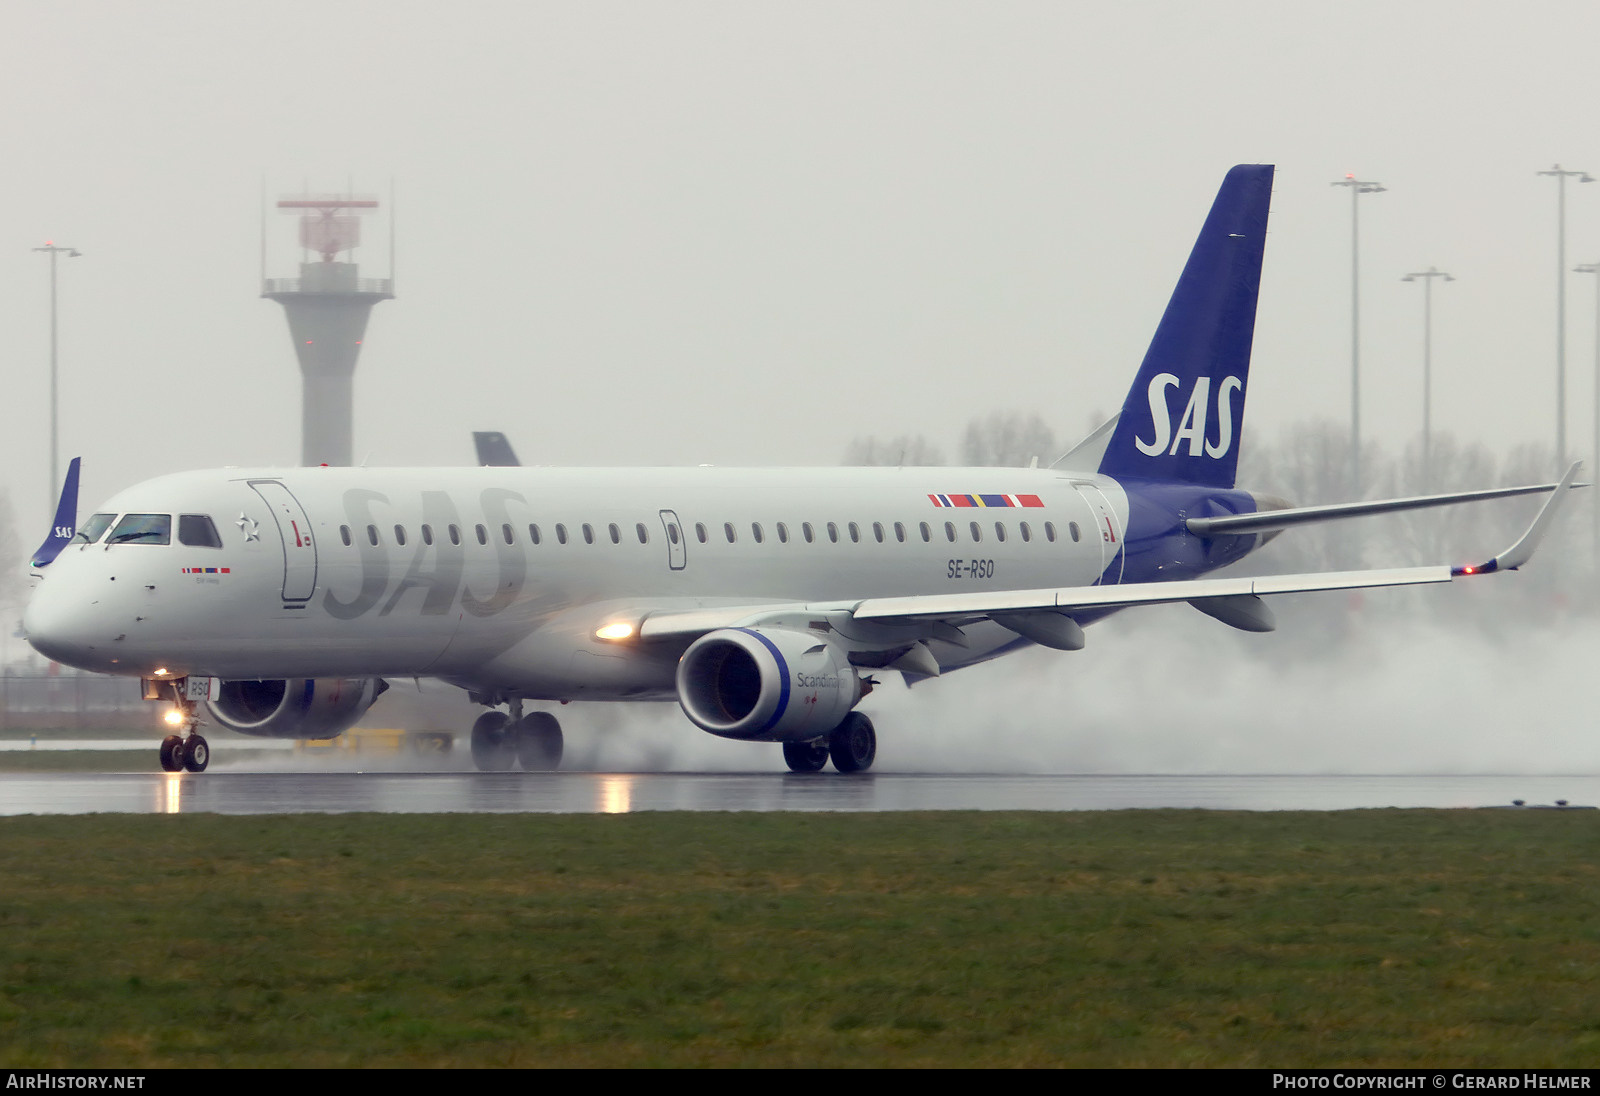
(805, 757)
(853, 744)
(196, 754)
(492, 748)
(172, 754)
(538, 742)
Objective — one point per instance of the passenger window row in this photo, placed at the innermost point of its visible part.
(808, 532)
(758, 533)
(506, 533)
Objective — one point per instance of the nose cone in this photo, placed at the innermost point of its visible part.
(66, 626)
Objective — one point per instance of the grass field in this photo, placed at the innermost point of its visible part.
(1464, 938)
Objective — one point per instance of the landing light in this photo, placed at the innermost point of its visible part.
(174, 717)
(620, 630)
(161, 672)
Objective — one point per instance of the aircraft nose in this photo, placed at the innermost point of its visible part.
(63, 626)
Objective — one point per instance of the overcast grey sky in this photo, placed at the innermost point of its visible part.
(747, 232)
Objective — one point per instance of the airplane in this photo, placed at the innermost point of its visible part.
(766, 602)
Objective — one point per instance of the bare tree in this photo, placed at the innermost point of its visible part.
(907, 450)
(1007, 438)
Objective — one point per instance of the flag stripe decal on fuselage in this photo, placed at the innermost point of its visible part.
(997, 501)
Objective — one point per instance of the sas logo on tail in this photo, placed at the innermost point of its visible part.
(1195, 417)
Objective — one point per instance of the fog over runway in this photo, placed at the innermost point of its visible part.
(239, 792)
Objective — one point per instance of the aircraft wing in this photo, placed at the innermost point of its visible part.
(1213, 595)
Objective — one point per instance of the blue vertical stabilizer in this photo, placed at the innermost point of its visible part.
(1182, 418)
(66, 523)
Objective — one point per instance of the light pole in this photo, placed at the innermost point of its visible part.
(1561, 303)
(1594, 510)
(54, 249)
(1357, 187)
(1427, 276)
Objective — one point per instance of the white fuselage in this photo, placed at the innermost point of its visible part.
(435, 572)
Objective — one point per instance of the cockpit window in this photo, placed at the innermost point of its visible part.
(142, 529)
(93, 529)
(198, 531)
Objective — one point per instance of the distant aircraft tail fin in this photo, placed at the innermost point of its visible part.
(66, 523)
(1183, 416)
(494, 449)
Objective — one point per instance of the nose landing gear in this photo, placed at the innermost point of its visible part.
(186, 748)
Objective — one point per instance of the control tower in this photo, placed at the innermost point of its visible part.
(328, 306)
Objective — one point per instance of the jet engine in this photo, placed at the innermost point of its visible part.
(301, 707)
(766, 685)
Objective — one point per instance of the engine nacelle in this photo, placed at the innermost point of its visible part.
(301, 707)
(766, 685)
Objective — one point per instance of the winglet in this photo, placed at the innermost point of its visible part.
(1522, 551)
(66, 523)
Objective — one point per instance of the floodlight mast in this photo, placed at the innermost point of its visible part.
(54, 249)
(1560, 173)
(1427, 277)
(1594, 507)
(328, 306)
(1357, 188)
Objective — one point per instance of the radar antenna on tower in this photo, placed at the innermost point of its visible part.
(328, 306)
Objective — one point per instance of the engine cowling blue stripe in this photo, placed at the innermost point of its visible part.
(783, 676)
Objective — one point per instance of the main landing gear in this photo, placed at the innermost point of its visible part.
(852, 746)
(500, 741)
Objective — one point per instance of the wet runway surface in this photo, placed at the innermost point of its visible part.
(587, 793)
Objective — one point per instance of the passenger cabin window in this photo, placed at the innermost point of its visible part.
(977, 534)
(399, 535)
(588, 533)
(1027, 533)
(561, 533)
(455, 535)
(900, 532)
(344, 535)
(372, 535)
(807, 532)
(1072, 527)
(198, 531)
(644, 534)
(855, 533)
(616, 534)
(93, 529)
(783, 533)
(877, 530)
(833, 532)
(755, 531)
(727, 531)
(142, 529)
(505, 532)
(427, 534)
(533, 534)
(999, 531)
(950, 531)
(1050, 531)
(927, 534)
(700, 531)
(483, 534)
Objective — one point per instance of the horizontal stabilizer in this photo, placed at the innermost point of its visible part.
(1271, 520)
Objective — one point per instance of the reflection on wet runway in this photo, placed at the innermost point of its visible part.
(615, 793)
